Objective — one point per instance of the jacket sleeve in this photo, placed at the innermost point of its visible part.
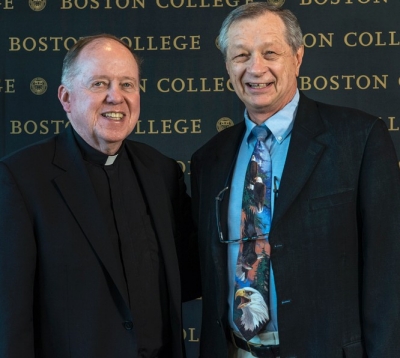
(379, 203)
(17, 271)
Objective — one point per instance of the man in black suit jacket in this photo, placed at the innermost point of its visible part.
(92, 226)
(334, 286)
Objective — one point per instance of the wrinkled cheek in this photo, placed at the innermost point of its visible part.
(237, 84)
(95, 125)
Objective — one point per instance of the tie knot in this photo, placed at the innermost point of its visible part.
(260, 132)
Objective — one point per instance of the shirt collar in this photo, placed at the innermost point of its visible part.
(92, 155)
(280, 124)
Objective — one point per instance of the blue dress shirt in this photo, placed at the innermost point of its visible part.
(280, 125)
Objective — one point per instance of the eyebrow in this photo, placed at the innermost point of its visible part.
(97, 77)
(243, 44)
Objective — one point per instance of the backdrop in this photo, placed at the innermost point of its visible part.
(351, 59)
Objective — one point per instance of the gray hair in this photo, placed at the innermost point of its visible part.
(294, 36)
(69, 70)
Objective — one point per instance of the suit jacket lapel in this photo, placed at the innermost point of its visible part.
(226, 156)
(304, 153)
(217, 175)
(77, 190)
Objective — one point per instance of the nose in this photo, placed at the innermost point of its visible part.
(257, 65)
(114, 94)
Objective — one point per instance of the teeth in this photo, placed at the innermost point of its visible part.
(113, 115)
(257, 85)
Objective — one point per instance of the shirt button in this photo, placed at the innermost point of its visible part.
(128, 325)
(218, 322)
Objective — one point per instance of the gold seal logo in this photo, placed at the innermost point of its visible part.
(224, 123)
(37, 5)
(38, 86)
(277, 3)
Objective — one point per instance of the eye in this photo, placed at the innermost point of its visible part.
(128, 86)
(270, 55)
(99, 85)
(240, 57)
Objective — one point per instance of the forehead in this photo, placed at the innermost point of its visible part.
(268, 28)
(107, 54)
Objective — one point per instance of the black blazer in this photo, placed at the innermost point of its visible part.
(61, 292)
(334, 237)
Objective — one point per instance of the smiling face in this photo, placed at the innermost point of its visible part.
(262, 67)
(103, 100)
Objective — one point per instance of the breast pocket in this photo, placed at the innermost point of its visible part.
(343, 197)
(354, 350)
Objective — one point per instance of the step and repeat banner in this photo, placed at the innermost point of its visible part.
(352, 53)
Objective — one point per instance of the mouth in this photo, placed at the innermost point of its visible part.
(258, 85)
(115, 116)
(244, 298)
(243, 302)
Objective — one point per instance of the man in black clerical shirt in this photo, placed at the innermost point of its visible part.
(95, 229)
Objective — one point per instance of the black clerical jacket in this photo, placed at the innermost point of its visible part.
(61, 292)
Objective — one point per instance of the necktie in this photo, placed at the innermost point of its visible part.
(253, 264)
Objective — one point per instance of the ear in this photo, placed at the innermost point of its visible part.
(299, 59)
(63, 96)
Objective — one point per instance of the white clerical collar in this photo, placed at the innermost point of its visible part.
(111, 159)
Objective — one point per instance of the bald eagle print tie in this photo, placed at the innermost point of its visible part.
(251, 300)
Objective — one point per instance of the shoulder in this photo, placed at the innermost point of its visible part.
(29, 166)
(337, 113)
(350, 122)
(344, 113)
(42, 151)
(317, 117)
(150, 156)
(150, 162)
(228, 137)
(146, 151)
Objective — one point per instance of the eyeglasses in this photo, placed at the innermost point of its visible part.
(218, 200)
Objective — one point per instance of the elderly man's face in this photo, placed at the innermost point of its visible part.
(103, 103)
(261, 65)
